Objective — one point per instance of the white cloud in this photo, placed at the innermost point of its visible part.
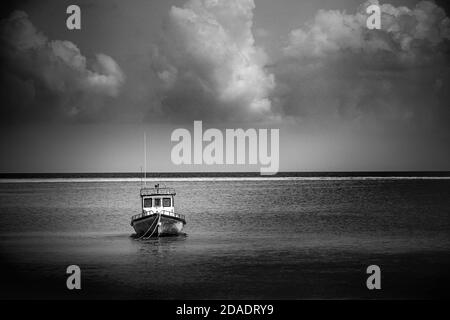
(335, 68)
(210, 62)
(406, 33)
(107, 77)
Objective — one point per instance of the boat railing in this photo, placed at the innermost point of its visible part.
(164, 212)
(157, 191)
(172, 214)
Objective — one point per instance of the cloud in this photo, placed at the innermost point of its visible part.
(334, 67)
(46, 78)
(209, 65)
(206, 65)
(406, 33)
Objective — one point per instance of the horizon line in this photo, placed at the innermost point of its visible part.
(222, 173)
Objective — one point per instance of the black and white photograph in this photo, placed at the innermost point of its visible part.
(225, 150)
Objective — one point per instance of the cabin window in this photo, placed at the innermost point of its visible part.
(166, 202)
(157, 202)
(147, 202)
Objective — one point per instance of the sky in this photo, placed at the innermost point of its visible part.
(345, 98)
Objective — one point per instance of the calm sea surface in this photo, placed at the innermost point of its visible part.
(245, 238)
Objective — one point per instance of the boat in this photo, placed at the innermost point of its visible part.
(158, 217)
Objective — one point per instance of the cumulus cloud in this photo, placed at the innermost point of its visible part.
(209, 65)
(51, 78)
(335, 67)
(407, 34)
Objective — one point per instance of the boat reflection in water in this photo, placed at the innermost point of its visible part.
(158, 217)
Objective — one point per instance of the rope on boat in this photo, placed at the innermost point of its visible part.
(157, 228)
(145, 233)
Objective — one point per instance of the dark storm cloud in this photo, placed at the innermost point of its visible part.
(51, 79)
(335, 67)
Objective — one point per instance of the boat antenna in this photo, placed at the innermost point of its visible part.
(145, 159)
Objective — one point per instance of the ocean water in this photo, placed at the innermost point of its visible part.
(246, 238)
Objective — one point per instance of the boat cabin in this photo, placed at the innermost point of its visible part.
(158, 200)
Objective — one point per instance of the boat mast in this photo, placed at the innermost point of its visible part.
(145, 159)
